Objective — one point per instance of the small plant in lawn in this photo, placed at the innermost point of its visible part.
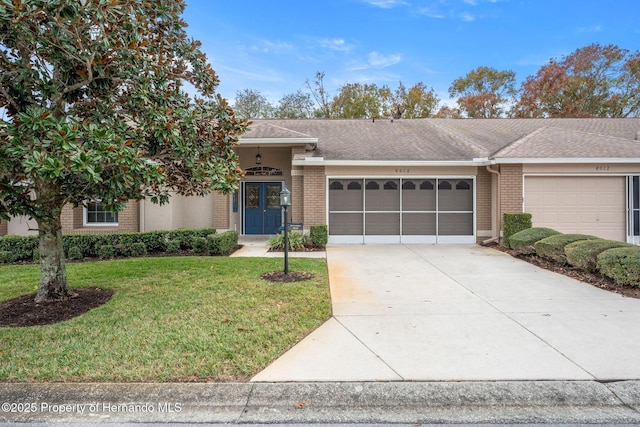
(296, 241)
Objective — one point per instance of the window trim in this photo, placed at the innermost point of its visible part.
(85, 217)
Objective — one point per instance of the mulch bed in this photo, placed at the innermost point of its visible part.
(292, 276)
(23, 311)
(595, 279)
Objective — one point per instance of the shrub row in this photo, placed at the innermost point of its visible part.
(617, 260)
(223, 243)
(77, 246)
(514, 222)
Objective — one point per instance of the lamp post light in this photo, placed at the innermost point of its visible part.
(285, 202)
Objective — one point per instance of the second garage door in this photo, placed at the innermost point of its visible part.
(577, 204)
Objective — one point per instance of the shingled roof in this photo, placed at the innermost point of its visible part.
(459, 140)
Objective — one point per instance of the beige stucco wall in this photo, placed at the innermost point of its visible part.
(180, 212)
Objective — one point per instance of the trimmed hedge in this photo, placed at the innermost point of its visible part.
(514, 222)
(553, 247)
(523, 241)
(319, 235)
(621, 264)
(223, 243)
(78, 246)
(20, 247)
(583, 254)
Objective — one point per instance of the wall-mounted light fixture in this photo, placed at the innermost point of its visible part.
(258, 157)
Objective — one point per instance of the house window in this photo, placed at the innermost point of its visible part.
(96, 214)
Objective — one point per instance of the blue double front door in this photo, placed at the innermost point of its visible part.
(262, 211)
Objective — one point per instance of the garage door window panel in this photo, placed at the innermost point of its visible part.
(345, 195)
(382, 195)
(455, 195)
(422, 197)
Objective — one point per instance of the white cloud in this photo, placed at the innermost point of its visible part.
(467, 17)
(380, 61)
(471, 2)
(336, 44)
(268, 46)
(386, 4)
(431, 13)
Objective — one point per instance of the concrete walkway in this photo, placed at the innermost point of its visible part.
(461, 313)
(256, 246)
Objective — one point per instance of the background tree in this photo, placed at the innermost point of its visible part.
(594, 81)
(297, 105)
(251, 104)
(446, 112)
(420, 102)
(358, 101)
(484, 92)
(320, 95)
(94, 110)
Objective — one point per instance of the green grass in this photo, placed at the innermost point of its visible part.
(170, 319)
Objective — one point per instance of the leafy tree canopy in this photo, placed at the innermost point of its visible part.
(95, 108)
(593, 81)
(484, 92)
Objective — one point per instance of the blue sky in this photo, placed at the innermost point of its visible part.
(274, 46)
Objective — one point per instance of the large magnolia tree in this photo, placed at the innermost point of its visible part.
(94, 107)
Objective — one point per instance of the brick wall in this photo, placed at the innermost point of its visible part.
(511, 188)
(314, 196)
(128, 220)
(221, 220)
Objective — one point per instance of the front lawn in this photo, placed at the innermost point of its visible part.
(170, 319)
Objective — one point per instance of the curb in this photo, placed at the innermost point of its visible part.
(336, 402)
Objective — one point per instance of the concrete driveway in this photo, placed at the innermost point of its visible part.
(461, 313)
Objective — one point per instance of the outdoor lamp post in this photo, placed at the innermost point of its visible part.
(285, 202)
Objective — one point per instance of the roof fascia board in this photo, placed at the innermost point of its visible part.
(319, 161)
(512, 160)
(250, 142)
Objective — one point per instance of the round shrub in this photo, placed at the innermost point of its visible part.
(173, 246)
(199, 244)
(583, 254)
(319, 235)
(621, 264)
(106, 251)
(74, 252)
(552, 247)
(523, 241)
(138, 249)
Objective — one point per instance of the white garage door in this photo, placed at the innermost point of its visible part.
(578, 204)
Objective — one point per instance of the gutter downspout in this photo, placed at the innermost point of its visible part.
(498, 209)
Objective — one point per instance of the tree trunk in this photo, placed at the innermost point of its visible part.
(53, 272)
